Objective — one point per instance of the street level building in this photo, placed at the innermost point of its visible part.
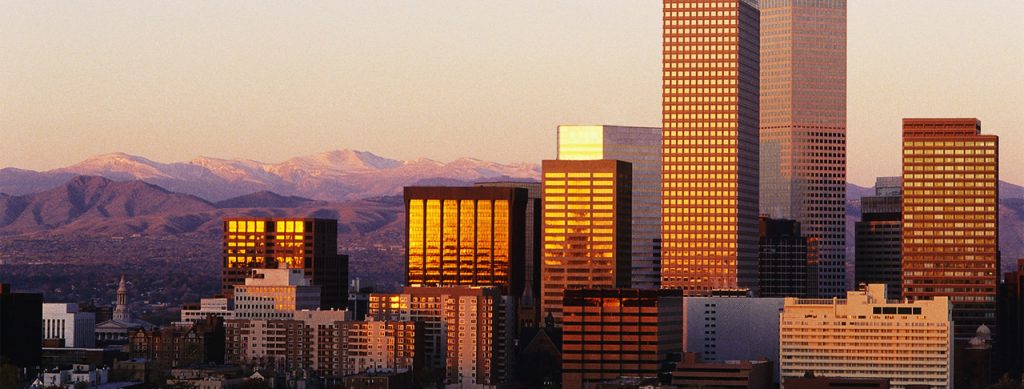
(611, 333)
(64, 322)
(868, 336)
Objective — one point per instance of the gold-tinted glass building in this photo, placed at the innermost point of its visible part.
(803, 126)
(301, 243)
(471, 236)
(950, 237)
(641, 147)
(587, 228)
(709, 174)
(611, 333)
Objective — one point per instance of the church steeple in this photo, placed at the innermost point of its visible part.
(121, 309)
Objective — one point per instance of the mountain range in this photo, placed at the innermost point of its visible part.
(330, 176)
(127, 195)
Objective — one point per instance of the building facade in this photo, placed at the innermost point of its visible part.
(374, 345)
(529, 311)
(308, 244)
(471, 236)
(693, 373)
(610, 333)
(65, 322)
(788, 262)
(275, 293)
(803, 126)
(470, 331)
(709, 145)
(719, 328)
(877, 237)
(21, 327)
(309, 340)
(641, 147)
(587, 228)
(950, 239)
(868, 336)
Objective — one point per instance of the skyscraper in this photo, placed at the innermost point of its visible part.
(310, 244)
(587, 229)
(710, 145)
(803, 126)
(877, 237)
(471, 236)
(950, 237)
(641, 147)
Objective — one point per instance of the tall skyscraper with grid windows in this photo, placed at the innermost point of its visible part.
(803, 126)
(710, 100)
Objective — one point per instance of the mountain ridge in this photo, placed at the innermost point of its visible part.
(335, 175)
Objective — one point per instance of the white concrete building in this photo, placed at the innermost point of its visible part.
(867, 336)
(64, 321)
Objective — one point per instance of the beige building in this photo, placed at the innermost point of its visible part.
(275, 294)
(867, 336)
(306, 340)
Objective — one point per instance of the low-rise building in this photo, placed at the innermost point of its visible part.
(868, 336)
(64, 322)
(611, 333)
(693, 373)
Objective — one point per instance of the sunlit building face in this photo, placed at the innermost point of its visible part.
(587, 228)
(641, 147)
(472, 236)
(300, 243)
(950, 239)
(803, 126)
(710, 145)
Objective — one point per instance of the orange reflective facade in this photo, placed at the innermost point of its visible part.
(587, 228)
(950, 238)
(471, 236)
(710, 145)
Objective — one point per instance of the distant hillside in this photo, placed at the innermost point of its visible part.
(98, 207)
(330, 176)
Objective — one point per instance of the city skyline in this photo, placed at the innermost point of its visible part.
(109, 100)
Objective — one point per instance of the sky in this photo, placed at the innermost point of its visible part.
(404, 79)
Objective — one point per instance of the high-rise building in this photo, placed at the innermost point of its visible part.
(471, 236)
(868, 336)
(720, 328)
(803, 126)
(469, 330)
(302, 243)
(877, 237)
(709, 145)
(374, 345)
(611, 333)
(788, 261)
(529, 311)
(21, 327)
(72, 327)
(587, 228)
(641, 147)
(950, 242)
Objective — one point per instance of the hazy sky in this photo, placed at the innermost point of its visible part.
(173, 80)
